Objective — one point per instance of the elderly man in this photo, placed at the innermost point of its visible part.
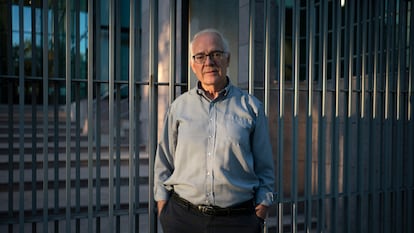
(214, 166)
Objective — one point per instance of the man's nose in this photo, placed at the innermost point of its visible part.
(209, 60)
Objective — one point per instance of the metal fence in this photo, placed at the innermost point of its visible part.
(81, 98)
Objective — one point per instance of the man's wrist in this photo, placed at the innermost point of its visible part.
(160, 205)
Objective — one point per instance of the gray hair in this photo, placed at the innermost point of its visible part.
(214, 31)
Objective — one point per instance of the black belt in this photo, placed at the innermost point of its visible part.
(244, 208)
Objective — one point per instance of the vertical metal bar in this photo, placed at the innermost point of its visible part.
(90, 113)
(185, 38)
(10, 119)
(34, 85)
(295, 113)
(373, 161)
(117, 115)
(371, 75)
(137, 110)
(21, 116)
(76, 65)
(98, 108)
(117, 146)
(111, 90)
(153, 79)
(363, 155)
(137, 143)
(9, 66)
(337, 35)
(267, 55)
(348, 119)
(56, 33)
(410, 95)
(363, 31)
(55, 25)
(310, 30)
(336, 142)
(68, 109)
(323, 35)
(376, 48)
(389, 65)
(252, 17)
(45, 115)
(77, 153)
(133, 147)
(389, 58)
(10, 135)
(173, 45)
(34, 56)
(56, 85)
(280, 154)
(360, 106)
(379, 108)
(399, 152)
(410, 128)
(111, 112)
(98, 140)
(77, 42)
(377, 60)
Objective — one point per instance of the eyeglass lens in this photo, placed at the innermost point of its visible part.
(201, 58)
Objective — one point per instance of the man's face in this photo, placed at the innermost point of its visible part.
(212, 71)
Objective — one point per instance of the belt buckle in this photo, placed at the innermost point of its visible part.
(206, 209)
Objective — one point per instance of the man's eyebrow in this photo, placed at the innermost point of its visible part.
(201, 53)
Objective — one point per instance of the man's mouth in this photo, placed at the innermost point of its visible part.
(211, 72)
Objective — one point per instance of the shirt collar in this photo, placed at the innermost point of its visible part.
(222, 93)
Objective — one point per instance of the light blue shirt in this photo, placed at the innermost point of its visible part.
(215, 152)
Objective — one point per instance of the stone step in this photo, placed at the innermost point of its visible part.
(79, 200)
(272, 223)
(15, 140)
(27, 152)
(61, 182)
(28, 129)
(78, 212)
(29, 113)
(61, 165)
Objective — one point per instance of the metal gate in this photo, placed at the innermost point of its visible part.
(83, 88)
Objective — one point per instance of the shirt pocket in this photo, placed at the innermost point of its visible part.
(237, 129)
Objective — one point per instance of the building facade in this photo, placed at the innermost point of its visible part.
(84, 86)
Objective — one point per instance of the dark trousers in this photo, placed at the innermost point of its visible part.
(176, 218)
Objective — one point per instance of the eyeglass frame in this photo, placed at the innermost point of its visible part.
(210, 55)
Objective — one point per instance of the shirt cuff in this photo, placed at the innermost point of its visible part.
(162, 194)
(268, 199)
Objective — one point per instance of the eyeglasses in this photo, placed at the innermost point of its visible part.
(215, 56)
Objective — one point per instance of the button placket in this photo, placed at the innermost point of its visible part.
(209, 156)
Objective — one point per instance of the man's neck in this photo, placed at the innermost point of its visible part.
(213, 91)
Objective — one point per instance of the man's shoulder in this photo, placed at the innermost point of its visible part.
(240, 93)
(184, 97)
